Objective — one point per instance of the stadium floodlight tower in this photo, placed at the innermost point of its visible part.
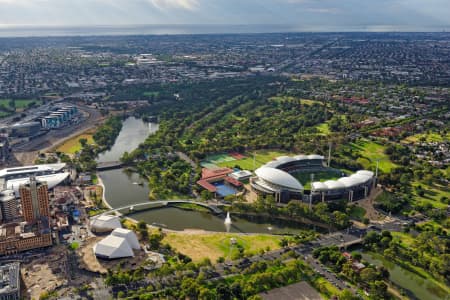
(329, 154)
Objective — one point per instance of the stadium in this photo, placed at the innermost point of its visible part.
(292, 178)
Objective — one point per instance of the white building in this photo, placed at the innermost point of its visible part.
(113, 247)
(129, 235)
(105, 223)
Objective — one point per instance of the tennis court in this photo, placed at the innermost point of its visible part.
(212, 161)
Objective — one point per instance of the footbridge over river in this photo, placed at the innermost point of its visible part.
(213, 208)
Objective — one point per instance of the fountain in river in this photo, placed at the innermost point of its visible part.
(228, 219)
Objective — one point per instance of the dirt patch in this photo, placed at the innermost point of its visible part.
(45, 273)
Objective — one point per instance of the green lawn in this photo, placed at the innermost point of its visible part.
(432, 194)
(427, 137)
(73, 145)
(261, 157)
(281, 98)
(370, 152)
(305, 177)
(357, 212)
(199, 246)
(20, 103)
(403, 238)
(323, 128)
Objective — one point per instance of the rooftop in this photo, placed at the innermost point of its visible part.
(9, 278)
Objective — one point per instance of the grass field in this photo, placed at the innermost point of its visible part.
(432, 194)
(370, 152)
(323, 128)
(150, 93)
(294, 99)
(261, 157)
(427, 137)
(357, 212)
(213, 246)
(73, 145)
(305, 177)
(20, 103)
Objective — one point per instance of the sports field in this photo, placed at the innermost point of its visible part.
(261, 157)
(370, 152)
(305, 177)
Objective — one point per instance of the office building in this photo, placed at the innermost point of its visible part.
(10, 281)
(35, 200)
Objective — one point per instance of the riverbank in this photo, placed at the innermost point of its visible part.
(100, 183)
(417, 282)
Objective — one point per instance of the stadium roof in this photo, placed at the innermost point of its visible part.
(348, 181)
(315, 156)
(334, 185)
(105, 223)
(278, 177)
(366, 173)
(319, 186)
(52, 180)
(32, 169)
(129, 235)
(113, 247)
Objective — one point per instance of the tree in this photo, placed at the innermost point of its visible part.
(378, 290)
(368, 275)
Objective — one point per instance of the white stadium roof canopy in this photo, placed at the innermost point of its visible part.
(319, 186)
(32, 169)
(334, 185)
(52, 180)
(278, 177)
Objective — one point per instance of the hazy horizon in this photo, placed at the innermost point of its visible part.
(293, 15)
(187, 29)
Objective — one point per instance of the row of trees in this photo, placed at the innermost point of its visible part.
(106, 134)
(330, 214)
(370, 278)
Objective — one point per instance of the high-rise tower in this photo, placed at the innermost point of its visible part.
(35, 200)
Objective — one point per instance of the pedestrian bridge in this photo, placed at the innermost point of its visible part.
(213, 208)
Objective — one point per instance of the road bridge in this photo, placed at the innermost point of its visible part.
(213, 208)
(109, 165)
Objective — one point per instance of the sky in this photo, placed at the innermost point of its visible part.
(376, 15)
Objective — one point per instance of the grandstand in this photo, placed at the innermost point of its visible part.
(279, 178)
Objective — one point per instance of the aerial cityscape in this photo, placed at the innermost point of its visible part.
(240, 161)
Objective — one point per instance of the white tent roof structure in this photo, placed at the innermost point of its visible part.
(105, 223)
(129, 235)
(279, 178)
(113, 247)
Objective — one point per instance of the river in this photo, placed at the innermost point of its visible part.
(121, 188)
(421, 288)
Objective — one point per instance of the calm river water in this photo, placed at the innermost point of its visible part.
(121, 188)
(421, 288)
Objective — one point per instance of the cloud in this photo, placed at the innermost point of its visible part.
(169, 4)
(334, 14)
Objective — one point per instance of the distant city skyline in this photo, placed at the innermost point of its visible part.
(300, 15)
